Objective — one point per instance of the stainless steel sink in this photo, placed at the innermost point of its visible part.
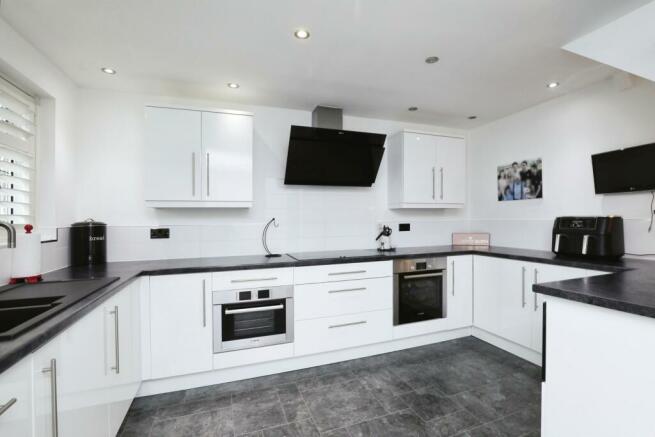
(25, 306)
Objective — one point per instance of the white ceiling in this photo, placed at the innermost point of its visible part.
(363, 55)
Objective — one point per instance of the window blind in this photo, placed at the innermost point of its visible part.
(17, 163)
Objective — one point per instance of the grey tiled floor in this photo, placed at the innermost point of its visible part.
(464, 388)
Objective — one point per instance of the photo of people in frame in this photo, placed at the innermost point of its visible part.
(520, 180)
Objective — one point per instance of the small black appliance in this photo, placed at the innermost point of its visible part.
(594, 237)
(88, 240)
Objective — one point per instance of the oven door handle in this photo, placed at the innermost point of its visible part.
(424, 275)
(255, 309)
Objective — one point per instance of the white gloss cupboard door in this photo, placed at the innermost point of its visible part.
(227, 157)
(501, 299)
(173, 154)
(540, 273)
(451, 170)
(45, 377)
(419, 168)
(123, 352)
(459, 297)
(16, 399)
(180, 325)
(82, 382)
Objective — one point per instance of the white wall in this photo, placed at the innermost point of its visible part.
(109, 187)
(564, 132)
(31, 70)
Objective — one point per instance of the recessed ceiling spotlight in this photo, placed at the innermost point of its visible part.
(472, 117)
(301, 33)
(431, 59)
(412, 108)
(108, 70)
(233, 85)
(553, 84)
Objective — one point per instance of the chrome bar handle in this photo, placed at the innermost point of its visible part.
(523, 287)
(207, 174)
(433, 182)
(117, 367)
(452, 268)
(234, 281)
(557, 239)
(536, 275)
(193, 174)
(585, 244)
(53, 396)
(255, 309)
(347, 289)
(352, 272)
(441, 184)
(7, 406)
(204, 304)
(423, 275)
(343, 325)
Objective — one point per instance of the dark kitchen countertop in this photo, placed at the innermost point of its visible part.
(631, 289)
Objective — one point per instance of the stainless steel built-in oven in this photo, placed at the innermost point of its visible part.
(250, 318)
(419, 290)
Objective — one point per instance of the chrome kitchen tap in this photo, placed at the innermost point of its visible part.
(11, 233)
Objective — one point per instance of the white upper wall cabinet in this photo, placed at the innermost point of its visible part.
(198, 159)
(426, 171)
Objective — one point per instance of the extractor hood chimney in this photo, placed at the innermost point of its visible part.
(327, 117)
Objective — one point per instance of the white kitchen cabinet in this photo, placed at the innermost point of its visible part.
(459, 289)
(342, 272)
(123, 333)
(16, 399)
(94, 384)
(501, 299)
(198, 158)
(46, 387)
(451, 171)
(227, 157)
(173, 154)
(540, 273)
(599, 372)
(345, 297)
(341, 332)
(180, 324)
(426, 171)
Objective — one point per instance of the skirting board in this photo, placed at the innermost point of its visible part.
(509, 346)
(157, 386)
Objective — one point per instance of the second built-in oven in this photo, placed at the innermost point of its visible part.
(419, 290)
(244, 319)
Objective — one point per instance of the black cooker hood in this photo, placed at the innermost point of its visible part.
(337, 157)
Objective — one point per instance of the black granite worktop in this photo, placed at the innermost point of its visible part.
(631, 288)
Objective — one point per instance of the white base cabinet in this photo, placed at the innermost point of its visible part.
(180, 324)
(16, 400)
(459, 291)
(342, 332)
(599, 372)
(83, 381)
(505, 304)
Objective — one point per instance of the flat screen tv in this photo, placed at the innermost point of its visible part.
(625, 170)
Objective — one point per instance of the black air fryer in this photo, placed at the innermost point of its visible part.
(593, 237)
(88, 241)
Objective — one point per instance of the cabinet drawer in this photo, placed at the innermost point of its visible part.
(341, 332)
(340, 298)
(255, 278)
(342, 272)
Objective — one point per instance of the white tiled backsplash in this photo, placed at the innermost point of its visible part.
(133, 242)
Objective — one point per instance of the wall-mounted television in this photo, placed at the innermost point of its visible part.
(625, 170)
